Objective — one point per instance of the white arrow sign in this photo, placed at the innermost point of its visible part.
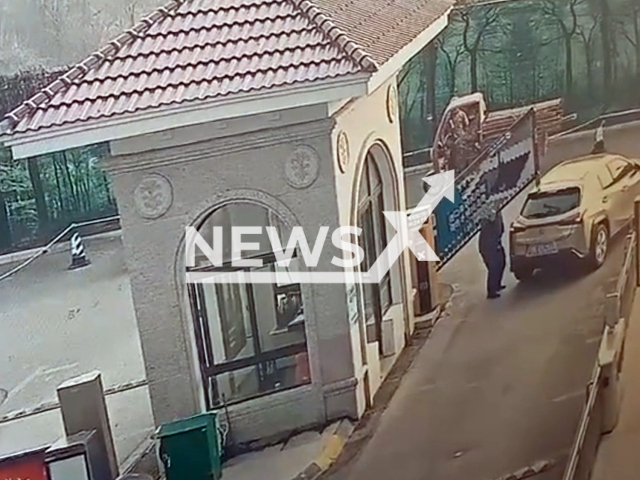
(408, 229)
(407, 235)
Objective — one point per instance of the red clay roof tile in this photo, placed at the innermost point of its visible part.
(201, 49)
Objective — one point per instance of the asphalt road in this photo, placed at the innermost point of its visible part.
(500, 384)
(56, 324)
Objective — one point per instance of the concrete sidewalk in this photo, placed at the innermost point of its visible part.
(302, 457)
(618, 457)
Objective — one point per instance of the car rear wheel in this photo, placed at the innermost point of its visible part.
(523, 274)
(599, 246)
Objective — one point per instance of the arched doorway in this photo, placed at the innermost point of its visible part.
(251, 338)
(376, 193)
(377, 297)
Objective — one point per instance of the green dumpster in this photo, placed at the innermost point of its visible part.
(190, 448)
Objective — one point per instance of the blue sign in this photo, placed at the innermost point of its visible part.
(494, 178)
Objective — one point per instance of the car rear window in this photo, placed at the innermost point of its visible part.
(549, 204)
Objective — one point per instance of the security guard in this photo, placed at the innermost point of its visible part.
(492, 251)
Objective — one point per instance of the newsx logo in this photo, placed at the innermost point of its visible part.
(408, 234)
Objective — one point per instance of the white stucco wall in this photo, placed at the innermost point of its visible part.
(366, 122)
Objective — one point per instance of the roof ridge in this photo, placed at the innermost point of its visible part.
(336, 34)
(93, 60)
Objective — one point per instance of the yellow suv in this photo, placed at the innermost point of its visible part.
(573, 211)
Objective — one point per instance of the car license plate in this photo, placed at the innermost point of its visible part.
(542, 249)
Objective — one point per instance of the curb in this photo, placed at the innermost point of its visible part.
(54, 404)
(331, 449)
(59, 248)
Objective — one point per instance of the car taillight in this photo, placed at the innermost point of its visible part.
(572, 220)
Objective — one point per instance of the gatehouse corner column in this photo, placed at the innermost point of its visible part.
(151, 232)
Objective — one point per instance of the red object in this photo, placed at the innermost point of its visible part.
(30, 467)
(303, 372)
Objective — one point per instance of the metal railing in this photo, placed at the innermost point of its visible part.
(622, 297)
(610, 119)
(618, 306)
(58, 238)
(585, 446)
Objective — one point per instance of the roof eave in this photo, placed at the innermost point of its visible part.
(392, 66)
(30, 144)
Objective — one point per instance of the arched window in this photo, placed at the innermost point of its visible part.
(250, 338)
(373, 239)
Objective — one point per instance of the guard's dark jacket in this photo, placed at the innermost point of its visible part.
(491, 235)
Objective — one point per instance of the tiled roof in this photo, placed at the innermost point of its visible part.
(383, 27)
(194, 50)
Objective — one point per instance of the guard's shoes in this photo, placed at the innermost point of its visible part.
(493, 295)
(502, 287)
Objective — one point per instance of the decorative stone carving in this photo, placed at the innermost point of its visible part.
(153, 196)
(392, 103)
(302, 167)
(343, 152)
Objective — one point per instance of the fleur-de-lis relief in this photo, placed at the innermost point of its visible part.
(301, 167)
(151, 194)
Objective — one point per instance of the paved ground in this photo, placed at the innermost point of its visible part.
(57, 324)
(500, 384)
(129, 413)
(618, 457)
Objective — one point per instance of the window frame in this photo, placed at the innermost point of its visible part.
(209, 369)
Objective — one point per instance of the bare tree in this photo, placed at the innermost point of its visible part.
(477, 22)
(586, 34)
(451, 59)
(631, 15)
(564, 15)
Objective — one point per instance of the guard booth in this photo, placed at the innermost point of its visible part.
(305, 138)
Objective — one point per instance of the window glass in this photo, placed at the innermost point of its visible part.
(230, 330)
(237, 215)
(364, 190)
(373, 240)
(368, 245)
(251, 337)
(262, 378)
(549, 204)
(618, 168)
(374, 174)
(279, 314)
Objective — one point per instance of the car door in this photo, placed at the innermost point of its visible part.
(621, 191)
(632, 179)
